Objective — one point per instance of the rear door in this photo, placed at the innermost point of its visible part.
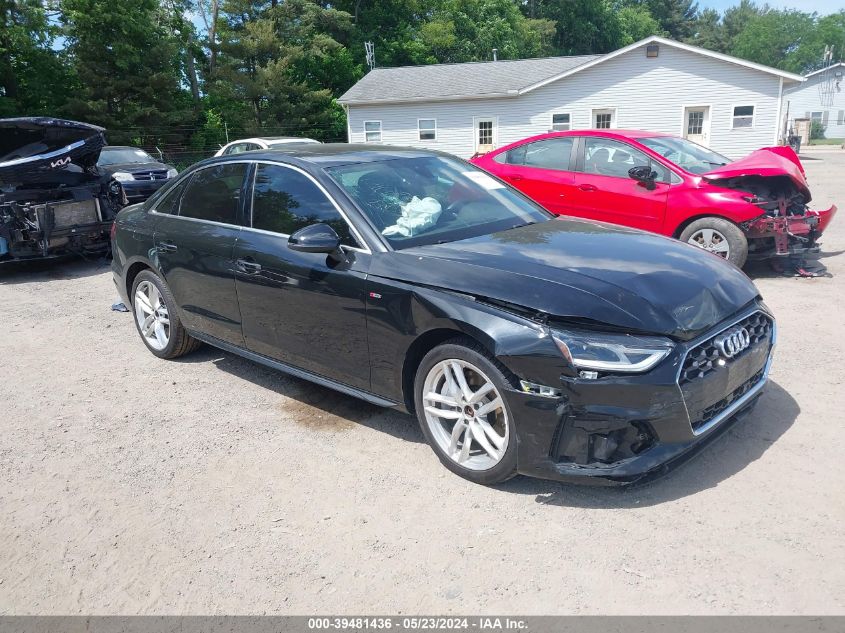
(542, 170)
(604, 191)
(303, 309)
(194, 250)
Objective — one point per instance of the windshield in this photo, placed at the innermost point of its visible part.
(123, 155)
(432, 200)
(686, 154)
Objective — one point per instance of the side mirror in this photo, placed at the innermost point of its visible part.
(317, 238)
(644, 175)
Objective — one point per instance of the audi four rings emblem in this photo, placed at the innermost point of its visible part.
(733, 341)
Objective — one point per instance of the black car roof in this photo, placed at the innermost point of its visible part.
(332, 154)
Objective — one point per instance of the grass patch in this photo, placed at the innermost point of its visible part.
(827, 141)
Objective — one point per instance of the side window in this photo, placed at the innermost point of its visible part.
(551, 153)
(169, 203)
(285, 200)
(606, 157)
(214, 193)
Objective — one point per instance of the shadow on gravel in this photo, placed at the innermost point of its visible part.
(765, 270)
(325, 410)
(42, 270)
(315, 407)
(741, 445)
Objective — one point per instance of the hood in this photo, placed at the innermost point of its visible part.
(574, 269)
(32, 146)
(766, 162)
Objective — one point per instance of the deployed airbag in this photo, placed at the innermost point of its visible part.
(417, 215)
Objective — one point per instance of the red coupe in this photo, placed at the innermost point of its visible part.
(754, 207)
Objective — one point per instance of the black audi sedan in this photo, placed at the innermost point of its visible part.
(523, 343)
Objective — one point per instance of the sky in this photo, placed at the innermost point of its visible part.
(822, 7)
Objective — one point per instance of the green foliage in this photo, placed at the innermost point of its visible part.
(816, 130)
(276, 67)
(126, 66)
(27, 59)
(776, 38)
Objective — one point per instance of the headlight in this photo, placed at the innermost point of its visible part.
(122, 176)
(172, 173)
(622, 353)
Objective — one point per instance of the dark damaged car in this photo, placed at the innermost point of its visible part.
(523, 343)
(54, 200)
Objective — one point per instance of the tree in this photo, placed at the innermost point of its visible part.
(636, 23)
(776, 38)
(33, 79)
(585, 26)
(469, 30)
(279, 66)
(676, 17)
(126, 66)
(709, 31)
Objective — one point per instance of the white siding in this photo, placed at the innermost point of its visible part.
(648, 94)
(807, 98)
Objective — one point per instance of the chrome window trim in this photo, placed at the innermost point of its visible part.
(323, 190)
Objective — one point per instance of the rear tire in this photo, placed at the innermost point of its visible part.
(475, 434)
(718, 236)
(157, 318)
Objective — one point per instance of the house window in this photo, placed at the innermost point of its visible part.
(743, 116)
(427, 129)
(840, 117)
(695, 123)
(603, 119)
(560, 122)
(372, 131)
(485, 132)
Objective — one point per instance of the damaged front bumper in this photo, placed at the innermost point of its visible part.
(39, 231)
(789, 234)
(621, 429)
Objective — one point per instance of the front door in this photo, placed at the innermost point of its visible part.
(543, 171)
(485, 134)
(302, 309)
(604, 190)
(194, 246)
(697, 124)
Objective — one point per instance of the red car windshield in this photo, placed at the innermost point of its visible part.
(685, 154)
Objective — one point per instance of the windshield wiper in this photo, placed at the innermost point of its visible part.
(519, 226)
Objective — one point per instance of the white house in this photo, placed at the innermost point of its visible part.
(819, 98)
(729, 104)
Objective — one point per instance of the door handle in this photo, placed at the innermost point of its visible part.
(166, 247)
(587, 187)
(248, 266)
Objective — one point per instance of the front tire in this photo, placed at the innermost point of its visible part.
(157, 318)
(718, 236)
(458, 397)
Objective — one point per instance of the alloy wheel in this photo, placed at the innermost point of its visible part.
(711, 240)
(152, 316)
(465, 414)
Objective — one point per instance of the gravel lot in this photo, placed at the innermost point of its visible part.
(130, 485)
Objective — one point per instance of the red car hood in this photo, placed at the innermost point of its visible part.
(769, 161)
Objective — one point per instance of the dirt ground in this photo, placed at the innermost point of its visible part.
(131, 485)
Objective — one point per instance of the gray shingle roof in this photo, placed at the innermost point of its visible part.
(456, 81)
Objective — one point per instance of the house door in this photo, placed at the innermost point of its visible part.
(697, 124)
(485, 134)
